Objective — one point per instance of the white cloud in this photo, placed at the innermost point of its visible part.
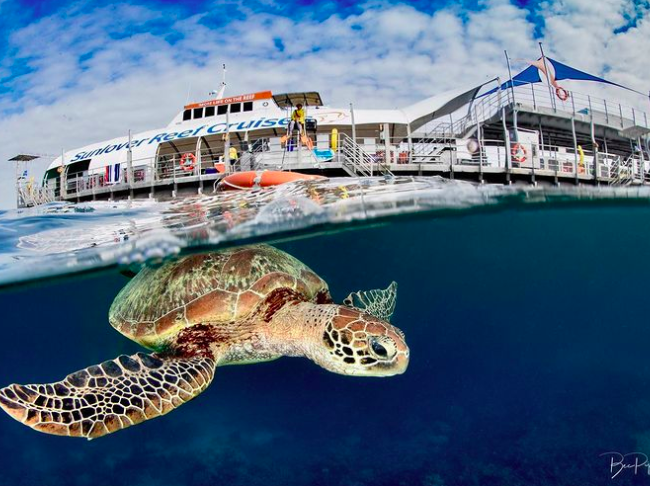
(89, 80)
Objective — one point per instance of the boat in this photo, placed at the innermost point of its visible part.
(527, 129)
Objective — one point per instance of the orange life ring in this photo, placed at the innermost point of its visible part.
(185, 165)
(561, 93)
(267, 178)
(519, 153)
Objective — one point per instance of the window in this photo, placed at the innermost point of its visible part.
(248, 106)
(198, 113)
(222, 109)
(209, 111)
(187, 115)
(235, 108)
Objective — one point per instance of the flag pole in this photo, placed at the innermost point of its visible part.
(548, 78)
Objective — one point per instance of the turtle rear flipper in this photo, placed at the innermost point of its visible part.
(114, 395)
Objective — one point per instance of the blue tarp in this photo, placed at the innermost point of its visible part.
(562, 71)
(531, 75)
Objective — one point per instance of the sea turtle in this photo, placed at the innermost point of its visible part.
(237, 306)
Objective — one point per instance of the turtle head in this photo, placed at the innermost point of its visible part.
(356, 343)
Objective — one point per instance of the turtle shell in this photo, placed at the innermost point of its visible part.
(217, 287)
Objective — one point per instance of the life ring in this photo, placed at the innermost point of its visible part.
(519, 153)
(185, 165)
(267, 178)
(561, 93)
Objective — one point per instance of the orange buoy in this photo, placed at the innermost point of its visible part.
(267, 178)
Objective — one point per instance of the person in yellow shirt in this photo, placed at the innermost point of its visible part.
(232, 152)
(297, 120)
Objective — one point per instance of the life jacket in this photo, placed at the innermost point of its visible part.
(233, 153)
(298, 115)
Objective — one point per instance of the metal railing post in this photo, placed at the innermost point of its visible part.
(153, 176)
(226, 145)
(532, 89)
(620, 110)
(506, 136)
(575, 148)
(199, 162)
(641, 162)
(386, 145)
(354, 127)
(129, 167)
(63, 177)
(480, 147)
(409, 141)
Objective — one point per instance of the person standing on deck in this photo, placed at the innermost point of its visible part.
(234, 156)
(297, 120)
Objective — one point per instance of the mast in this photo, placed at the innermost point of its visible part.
(222, 87)
(548, 78)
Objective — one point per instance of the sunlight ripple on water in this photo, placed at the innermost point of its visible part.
(65, 238)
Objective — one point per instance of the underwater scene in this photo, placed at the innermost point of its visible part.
(516, 352)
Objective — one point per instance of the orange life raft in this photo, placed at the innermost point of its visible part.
(267, 178)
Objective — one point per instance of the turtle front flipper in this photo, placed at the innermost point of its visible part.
(379, 303)
(114, 395)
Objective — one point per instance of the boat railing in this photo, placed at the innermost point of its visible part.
(538, 98)
(31, 194)
(181, 167)
(271, 154)
(497, 155)
(357, 161)
(363, 158)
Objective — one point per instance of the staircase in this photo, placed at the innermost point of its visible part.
(443, 137)
(359, 163)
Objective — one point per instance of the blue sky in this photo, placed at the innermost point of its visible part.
(23, 22)
(77, 72)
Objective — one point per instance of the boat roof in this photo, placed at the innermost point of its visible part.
(289, 100)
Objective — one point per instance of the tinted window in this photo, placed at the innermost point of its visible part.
(187, 115)
(235, 108)
(248, 106)
(198, 112)
(209, 111)
(222, 110)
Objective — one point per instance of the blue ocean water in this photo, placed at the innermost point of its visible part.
(529, 343)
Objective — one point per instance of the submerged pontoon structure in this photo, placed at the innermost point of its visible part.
(528, 129)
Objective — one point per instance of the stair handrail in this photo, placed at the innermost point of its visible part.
(358, 161)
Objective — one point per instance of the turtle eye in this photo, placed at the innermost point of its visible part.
(382, 348)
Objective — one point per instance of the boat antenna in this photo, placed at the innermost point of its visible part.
(219, 94)
(189, 89)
